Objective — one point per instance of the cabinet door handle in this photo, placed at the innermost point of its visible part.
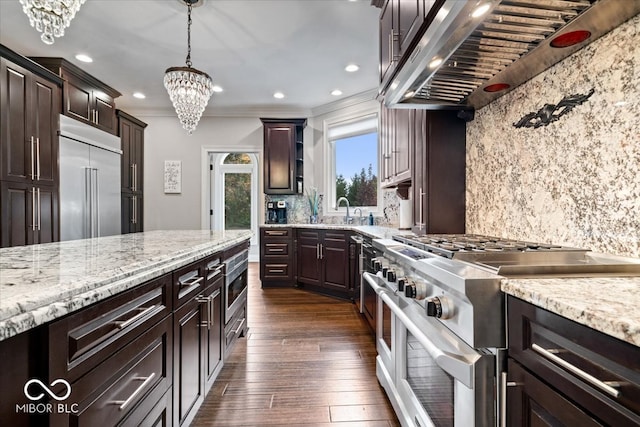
(317, 250)
(503, 397)
(134, 213)
(205, 300)
(39, 210)
(145, 381)
(143, 313)
(421, 223)
(602, 385)
(33, 159)
(321, 251)
(38, 158)
(97, 117)
(190, 282)
(133, 177)
(33, 209)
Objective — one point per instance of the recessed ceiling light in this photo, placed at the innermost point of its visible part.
(435, 62)
(336, 92)
(217, 89)
(84, 58)
(278, 95)
(351, 68)
(139, 95)
(480, 10)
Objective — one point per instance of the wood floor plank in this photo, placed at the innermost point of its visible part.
(308, 360)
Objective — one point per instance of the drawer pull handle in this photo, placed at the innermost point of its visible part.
(191, 282)
(607, 387)
(145, 381)
(276, 270)
(276, 233)
(239, 326)
(143, 313)
(276, 249)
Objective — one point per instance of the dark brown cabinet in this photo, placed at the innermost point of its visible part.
(277, 257)
(323, 258)
(401, 21)
(85, 98)
(561, 373)
(396, 141)
(131, 131)
(438, 182)
(283, 155)
(29, 110)
(197, 329)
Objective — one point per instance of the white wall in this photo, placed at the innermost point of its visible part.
(166, 140)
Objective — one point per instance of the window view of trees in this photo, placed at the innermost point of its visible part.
(361, 189)
(237, 197)
(356, 166)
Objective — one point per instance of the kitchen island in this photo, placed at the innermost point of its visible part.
(123, 329)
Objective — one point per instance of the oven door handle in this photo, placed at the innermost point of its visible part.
(372, 279)
(458, 365)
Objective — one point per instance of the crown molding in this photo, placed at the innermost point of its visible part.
(350, 101)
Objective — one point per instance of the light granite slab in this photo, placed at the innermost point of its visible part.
(40, 283)
(609, 305)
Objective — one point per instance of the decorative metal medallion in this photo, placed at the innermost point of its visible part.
(551, 113)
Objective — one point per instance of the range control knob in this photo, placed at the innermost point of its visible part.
(384, 270)
(421, 289)
(439, 307)
(377, 265)
(410, 290)
(391, 275)
(401, 283)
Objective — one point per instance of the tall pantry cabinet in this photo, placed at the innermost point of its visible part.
(131, 131)
(30, 104)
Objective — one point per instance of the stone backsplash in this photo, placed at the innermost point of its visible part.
(298, 210)
(576, 181)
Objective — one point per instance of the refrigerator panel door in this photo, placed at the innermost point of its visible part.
(74, 161)
(106, 176)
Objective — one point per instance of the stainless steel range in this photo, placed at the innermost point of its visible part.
(441, 336)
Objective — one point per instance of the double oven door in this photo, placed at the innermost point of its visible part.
(430, 375)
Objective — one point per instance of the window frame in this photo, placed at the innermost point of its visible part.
(329, 201)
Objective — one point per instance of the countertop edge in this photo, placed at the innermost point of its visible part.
(572, 298)
(49, 311)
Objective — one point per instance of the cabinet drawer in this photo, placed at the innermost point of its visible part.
(188, 282)
(277, 271)
(235, 329)
(85, 339)
(276, 249)
(276, 232)
(134, 377)
(214, 270)
(594, 370)
(158, 416)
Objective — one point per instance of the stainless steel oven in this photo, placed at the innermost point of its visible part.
(385, 325)
(235, 283)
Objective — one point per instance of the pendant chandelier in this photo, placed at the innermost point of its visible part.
(189, 89)
(50, 17)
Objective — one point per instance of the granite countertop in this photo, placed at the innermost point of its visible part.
(373, 231)
(607, 304)
(40, 283)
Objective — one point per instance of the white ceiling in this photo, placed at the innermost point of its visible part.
(251, 48)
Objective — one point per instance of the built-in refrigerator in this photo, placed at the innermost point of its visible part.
(89, 181)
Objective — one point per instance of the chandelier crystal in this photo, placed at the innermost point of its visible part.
(51, 17)
(189, 89)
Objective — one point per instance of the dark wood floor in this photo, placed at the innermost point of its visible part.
(308, 360)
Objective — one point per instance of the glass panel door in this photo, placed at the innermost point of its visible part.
(237, 201)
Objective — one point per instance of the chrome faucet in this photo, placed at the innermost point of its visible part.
(360, 218)
(347, 217)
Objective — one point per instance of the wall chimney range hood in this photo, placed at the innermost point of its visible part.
(462, 62)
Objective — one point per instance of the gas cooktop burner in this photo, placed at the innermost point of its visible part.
(451, 245)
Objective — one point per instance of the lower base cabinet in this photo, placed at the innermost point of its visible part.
(562, 373)
(144, 357)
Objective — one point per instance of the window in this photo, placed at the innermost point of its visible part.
(353, 163)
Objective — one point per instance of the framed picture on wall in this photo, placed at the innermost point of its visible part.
(172, 176)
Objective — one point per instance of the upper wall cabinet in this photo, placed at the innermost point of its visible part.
(397, 134)
(400, 21)
(85, 98)
(131, 131)
(283, 155)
